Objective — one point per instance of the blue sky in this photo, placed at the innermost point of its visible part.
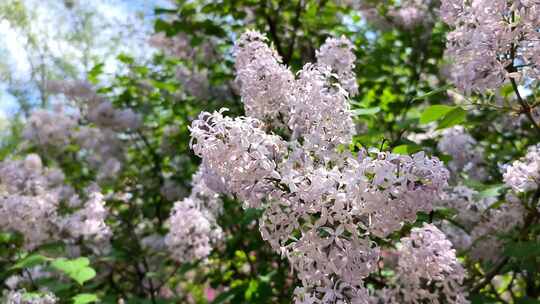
(123, 11)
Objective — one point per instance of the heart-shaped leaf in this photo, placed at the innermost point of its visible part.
(85, 298)
(76, 269)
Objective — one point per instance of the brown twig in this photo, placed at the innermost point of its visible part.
(491, 274)
(525, 107)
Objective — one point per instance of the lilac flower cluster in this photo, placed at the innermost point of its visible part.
(321, 204)
(524, 175)
(30, 196)
(193, 229)
(467, 155)
(22, 297)
(492, 41)
(427, 271)
(477, 223)
(96, 131)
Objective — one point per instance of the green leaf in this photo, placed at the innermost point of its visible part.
(76, 269)
(227, 296)
(388, 97)
(29, 261)
(406, 149)
(528, 300)
(434, 113)
(30, 296)
(250, 215)
(124, 58)
(161, 26)
(523, 249)
(492, 191)
(5, 237)
(267, 278)
(454, 117)
(94, 73)
(212, 29)
(366, 111)
(482, 299)
(252, 289)
(84, 298)
(161, 10)
(434, 92)
(444, 213)
(169, 87)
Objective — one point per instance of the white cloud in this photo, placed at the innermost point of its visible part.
(51, 21)
(14, 47)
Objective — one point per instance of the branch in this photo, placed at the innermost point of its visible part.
(511, 68)
(156, 169)
(169, 276)
(273, 31)
(296, 25)
(492, 273)
(528, 221)
(140, 272)
(524, 105)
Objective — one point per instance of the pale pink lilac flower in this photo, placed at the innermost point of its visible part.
(428, 271)
(492, 41)
(330, 200)
(22, 297)
(524, 175)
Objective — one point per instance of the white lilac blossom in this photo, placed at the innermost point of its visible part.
(89, 222)
(240, 151)
(208, 200)
(338, 292)
(169, 139)
(28, 201)
(413, 13)
(50, 128)
(194, 79)
(428, 271)
(195, 82)
(105, 115)
(177, 46)
(264, 82)
(405, 14)
(28, 276)
(23, 297)
(467, 204)
(155, 242)
(172, 190)
(467, 155)
(76, 90)
(96, 108)
(524, 175)
(470, 209)
(319, 110)
(477, 224)
(180, 46)
(100, 147)
(492, 41)
(271, 94)
(319, 205)
(193, 230)
(337, 53)
(459, 237)
(485, 236)
(371, 14)
(30, 195)
(192, 234)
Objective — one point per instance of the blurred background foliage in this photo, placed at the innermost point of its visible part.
(403, 95)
